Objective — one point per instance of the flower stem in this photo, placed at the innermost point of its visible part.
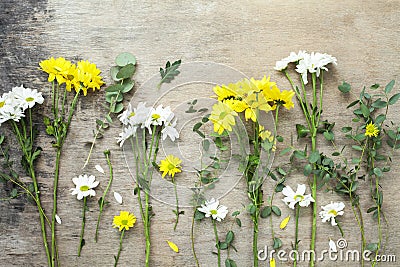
(120, 248)
(296, 235)
(177, 205)
(107, 155)
(192, 240)
(217, 242)
(255, 240)
(83, 226)
(53, 217)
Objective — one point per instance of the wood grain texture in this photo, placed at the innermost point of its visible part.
(247, 35)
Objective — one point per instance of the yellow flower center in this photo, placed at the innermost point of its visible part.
(29, 99)
(84, 188)
(124, 222)
(131, 115)
(2, 104)
(171, 166)
(298, 197)
(213, 212)
(333, 212)
(156, 116)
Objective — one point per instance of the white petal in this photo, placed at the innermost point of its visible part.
(301, 189)
(99, 168)
(58, 219)
(332, 245)
(118, 197)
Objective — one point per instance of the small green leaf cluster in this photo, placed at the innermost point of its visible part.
(170, 72)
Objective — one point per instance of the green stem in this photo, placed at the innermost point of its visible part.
(255, 240)
(217, 242)
(83, 226)
(107, 155)
(147, 228)
(177, 205)
(296, 235)
(120, 248)
(192, 240)
(53, 217)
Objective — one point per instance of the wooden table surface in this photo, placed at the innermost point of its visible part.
(248, 36)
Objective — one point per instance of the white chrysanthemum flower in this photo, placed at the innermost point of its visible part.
(140, 115)
(169, 129)
(126, 133)
(293, 57)
(213, 209)
(330, 211)
(124, 116)
(314, 63)
(158, 116)
(14, 113)
(27, 96)
(292, 198)
(84, 185)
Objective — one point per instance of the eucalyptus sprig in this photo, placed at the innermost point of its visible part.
(115, 95)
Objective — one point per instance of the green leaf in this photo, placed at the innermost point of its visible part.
(353, 103)
(223, 245)
(126, 72)
(230, 263)
(1, 139)
(336, 154)
(118, 108)
(314, 157)
(378, 172)
(279, 138)
(372, 247)
(277, 243)
(265, 212)
(276, 210)
(238, 222)
(299, 154)
(197, 126)
(235, 213)
(169, 73)
(127, 85)
(286, 150)
(108, 118)
(113, 72)
(229, 237)
(328, 136)
(379, 104)
(372, 209)
(365, 110)
(358, 148)
(344, 88)
(389, 87)
(307, 170)
(124, 59)
(374, 86)
(379, 119)
(198, 215)
(394, 99)
(115, 88)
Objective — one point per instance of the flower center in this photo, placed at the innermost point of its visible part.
(156, 116)
(2, 104)
(124, 222)
(29, 99)
(84, 188)
(131, 115)
(171, 166)
(213, 212)
(298, 197)
(333, 212)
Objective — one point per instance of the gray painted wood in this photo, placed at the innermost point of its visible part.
(247, 35)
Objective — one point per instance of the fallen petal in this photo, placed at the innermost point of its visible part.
(118, 197)
(99, 168)
(173, 246)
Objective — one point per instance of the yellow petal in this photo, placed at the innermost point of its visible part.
(272, 262)
(284, 222)
(173, 246)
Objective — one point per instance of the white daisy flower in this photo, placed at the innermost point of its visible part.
(27, 96)
(124, 116)
(213, 209)
(140, 115)
(169, 130)
(293, 57)
(84, 185)
(292, 198)
(11, 113)
(126, 133)
(158, 116)
(330, 211)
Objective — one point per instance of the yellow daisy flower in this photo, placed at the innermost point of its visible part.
(255, 101)
(223, 117)
(170, 165)
(371, 130)
(56, 68)
(88, 77)
(284, 98)
(124, 220)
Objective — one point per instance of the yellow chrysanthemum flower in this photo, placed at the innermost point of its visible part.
(277, 97)
(267, 135)
(223, 117)
(87, 77)
(371, 130)
(56, 68)
(256, 102)
(170, 165)
(124, 220)
(236, 105)
(224, 92)
(263, 84)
